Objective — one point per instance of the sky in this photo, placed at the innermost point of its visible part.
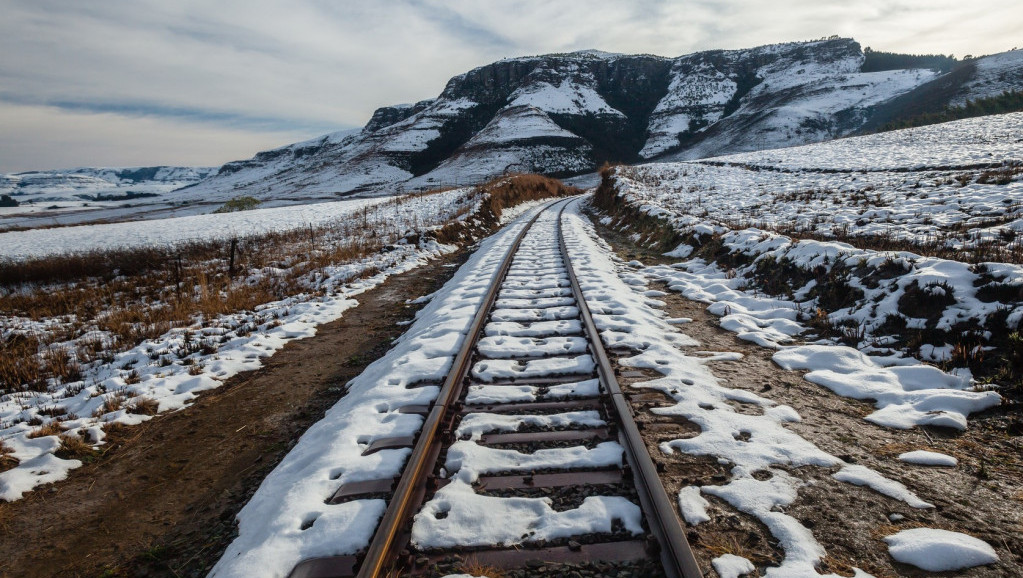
(195, 82)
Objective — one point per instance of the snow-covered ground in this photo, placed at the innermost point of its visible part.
(922, 185)
(925, 183)
(766, 463)
(175, 230)
(628, 318)
(868, 294)
(169, 370)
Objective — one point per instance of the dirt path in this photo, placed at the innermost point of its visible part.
(161, 499)
(982, 497)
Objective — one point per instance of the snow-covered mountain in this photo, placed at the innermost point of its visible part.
(88, 194)
(93, 183)
(565, 114)
(559, 114)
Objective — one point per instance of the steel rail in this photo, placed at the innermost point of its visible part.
(676, 555)
(384, 548)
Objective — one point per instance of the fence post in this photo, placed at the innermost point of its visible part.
(177, 275)
(230, 266)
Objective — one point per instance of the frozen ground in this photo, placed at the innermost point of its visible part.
(864, 296)
(934, 184)
(163, 232)
(759, 449)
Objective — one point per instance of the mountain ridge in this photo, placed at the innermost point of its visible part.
(566, 114)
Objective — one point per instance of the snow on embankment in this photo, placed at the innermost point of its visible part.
(952, 186)
(164, 232)
(769, 462)
(770, 287)
(287, 520)
(939, 550)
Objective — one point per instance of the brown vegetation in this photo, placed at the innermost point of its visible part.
(110, 301)
(7, 461)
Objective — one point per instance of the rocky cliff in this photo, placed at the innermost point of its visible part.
(566, 114)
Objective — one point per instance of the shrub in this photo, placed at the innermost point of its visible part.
(7, 461)
(239, 204)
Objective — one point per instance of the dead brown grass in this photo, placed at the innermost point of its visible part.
(74, 448)
(879, 532)
(111, 403)
(499, 194)
(721, 543)
(7, 461)
(51, 429)
(474, 567)
(143, 406)
(19, 364)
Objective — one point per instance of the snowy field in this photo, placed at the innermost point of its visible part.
(954, 185)
(626, 312)
(949, 296)
(166, 373)
(164, 232)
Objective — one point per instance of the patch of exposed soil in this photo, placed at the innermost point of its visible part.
(161, 498)
(982, 496)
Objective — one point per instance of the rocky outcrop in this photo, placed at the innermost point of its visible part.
(564, 114)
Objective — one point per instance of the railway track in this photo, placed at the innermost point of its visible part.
(529, 460)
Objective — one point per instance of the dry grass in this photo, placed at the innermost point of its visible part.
(112, 402)
(721, 543)
(474, 567)
(74, 448)
(836, 565)
(51, 429)
(879, 532)
(143, 406)
(894, 449)
(19, 363)
(7, 461)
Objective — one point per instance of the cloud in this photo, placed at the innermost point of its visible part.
(266, 65)
(39, 138)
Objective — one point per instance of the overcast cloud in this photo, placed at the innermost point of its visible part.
(136, 82)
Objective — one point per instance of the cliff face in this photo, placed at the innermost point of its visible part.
(566, 114)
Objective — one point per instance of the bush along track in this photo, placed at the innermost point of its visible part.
(141, 331)
(893, 305)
